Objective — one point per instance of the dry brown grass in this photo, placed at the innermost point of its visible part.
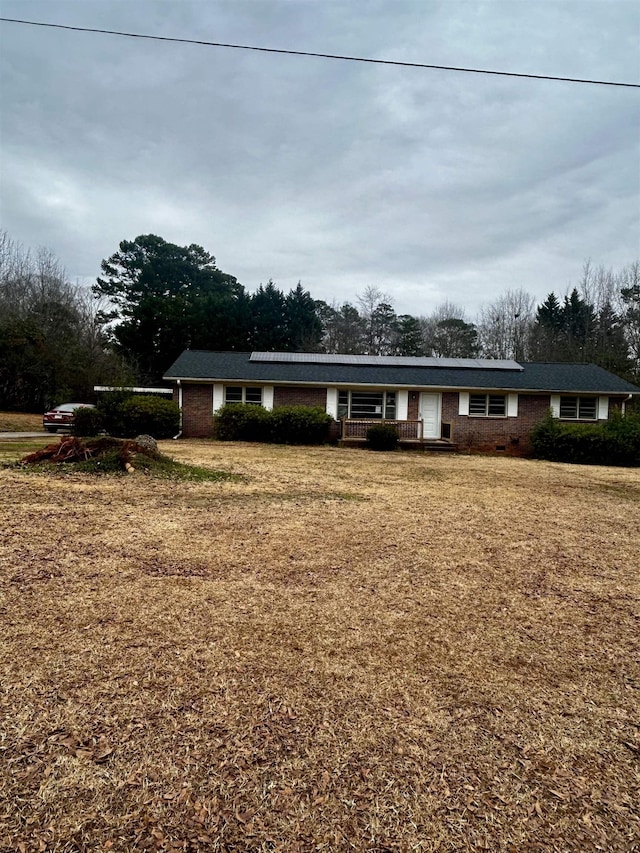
(346, 651)
(20, 422)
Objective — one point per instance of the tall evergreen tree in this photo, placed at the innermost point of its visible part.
(305, 327)
(409, 336)
(455, 339)
(350, 335)
(383, 330)
(166, 298)
(270, 329)
(579, 323)
(547, 337)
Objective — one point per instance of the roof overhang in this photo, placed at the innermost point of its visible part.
(399, 386)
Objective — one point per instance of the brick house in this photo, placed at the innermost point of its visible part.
(470, 404)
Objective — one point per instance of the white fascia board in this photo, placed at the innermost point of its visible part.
(397, 386)
(136, 390)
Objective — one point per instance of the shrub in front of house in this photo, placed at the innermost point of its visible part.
(382, 437)
(110, 405)
(300, 425)
(612, 442)
(88, 421)
(135, 414)
(242, 422)
(285, 425)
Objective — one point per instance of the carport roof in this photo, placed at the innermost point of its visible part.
(238, 367)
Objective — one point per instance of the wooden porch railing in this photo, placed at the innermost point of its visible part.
(355, 429)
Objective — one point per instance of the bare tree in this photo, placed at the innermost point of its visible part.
(50, 343)
(447, 316)
(378, 318)
(504, 327)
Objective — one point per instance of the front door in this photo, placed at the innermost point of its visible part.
(429, 413)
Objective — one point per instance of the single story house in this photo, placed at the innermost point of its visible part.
(472, 404)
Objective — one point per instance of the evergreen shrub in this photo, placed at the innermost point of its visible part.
(612, 442)
(150, 415)
(110, 405)
(126, 415)
(382, 437)
(242, 422)
(88, 421)
(299, 425)
(285, 425)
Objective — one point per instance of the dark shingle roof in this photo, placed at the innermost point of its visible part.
(200, 365)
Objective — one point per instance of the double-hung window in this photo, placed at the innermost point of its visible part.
(488, 405)
(578, 408)
(239, 394)
(367, 405)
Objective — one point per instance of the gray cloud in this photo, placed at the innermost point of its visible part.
(430, 185)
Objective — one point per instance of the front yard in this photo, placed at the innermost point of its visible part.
(342, 651)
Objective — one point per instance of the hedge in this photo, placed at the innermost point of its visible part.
(127, 415)
(612, 442)
(285, 425)
(299, 425)
(88, 421)
(242, 422)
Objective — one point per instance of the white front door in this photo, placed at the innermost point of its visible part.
(429, 413)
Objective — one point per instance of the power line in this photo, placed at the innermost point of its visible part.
(321, 55)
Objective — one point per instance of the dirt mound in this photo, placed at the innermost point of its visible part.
(72, 449)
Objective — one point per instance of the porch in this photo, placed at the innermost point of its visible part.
(353, 431)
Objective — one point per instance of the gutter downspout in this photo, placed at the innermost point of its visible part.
(623, 407)
(179, 433)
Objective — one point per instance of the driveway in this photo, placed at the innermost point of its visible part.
(7, 435)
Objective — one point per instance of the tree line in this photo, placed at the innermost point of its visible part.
(154, 299)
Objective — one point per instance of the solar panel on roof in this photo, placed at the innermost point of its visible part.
(385, 360)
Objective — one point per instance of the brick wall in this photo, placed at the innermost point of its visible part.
(487, 434)
(285, 395)
(490, 434)
(197, 411)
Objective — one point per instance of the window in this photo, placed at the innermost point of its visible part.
(236, 394)
(578, 408)
(367, 405)
(488, 405)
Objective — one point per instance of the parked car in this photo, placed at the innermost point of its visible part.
(63, 416)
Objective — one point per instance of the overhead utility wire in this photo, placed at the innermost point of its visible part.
(320, 55)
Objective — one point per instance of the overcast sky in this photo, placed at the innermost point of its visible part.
(430, 185)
